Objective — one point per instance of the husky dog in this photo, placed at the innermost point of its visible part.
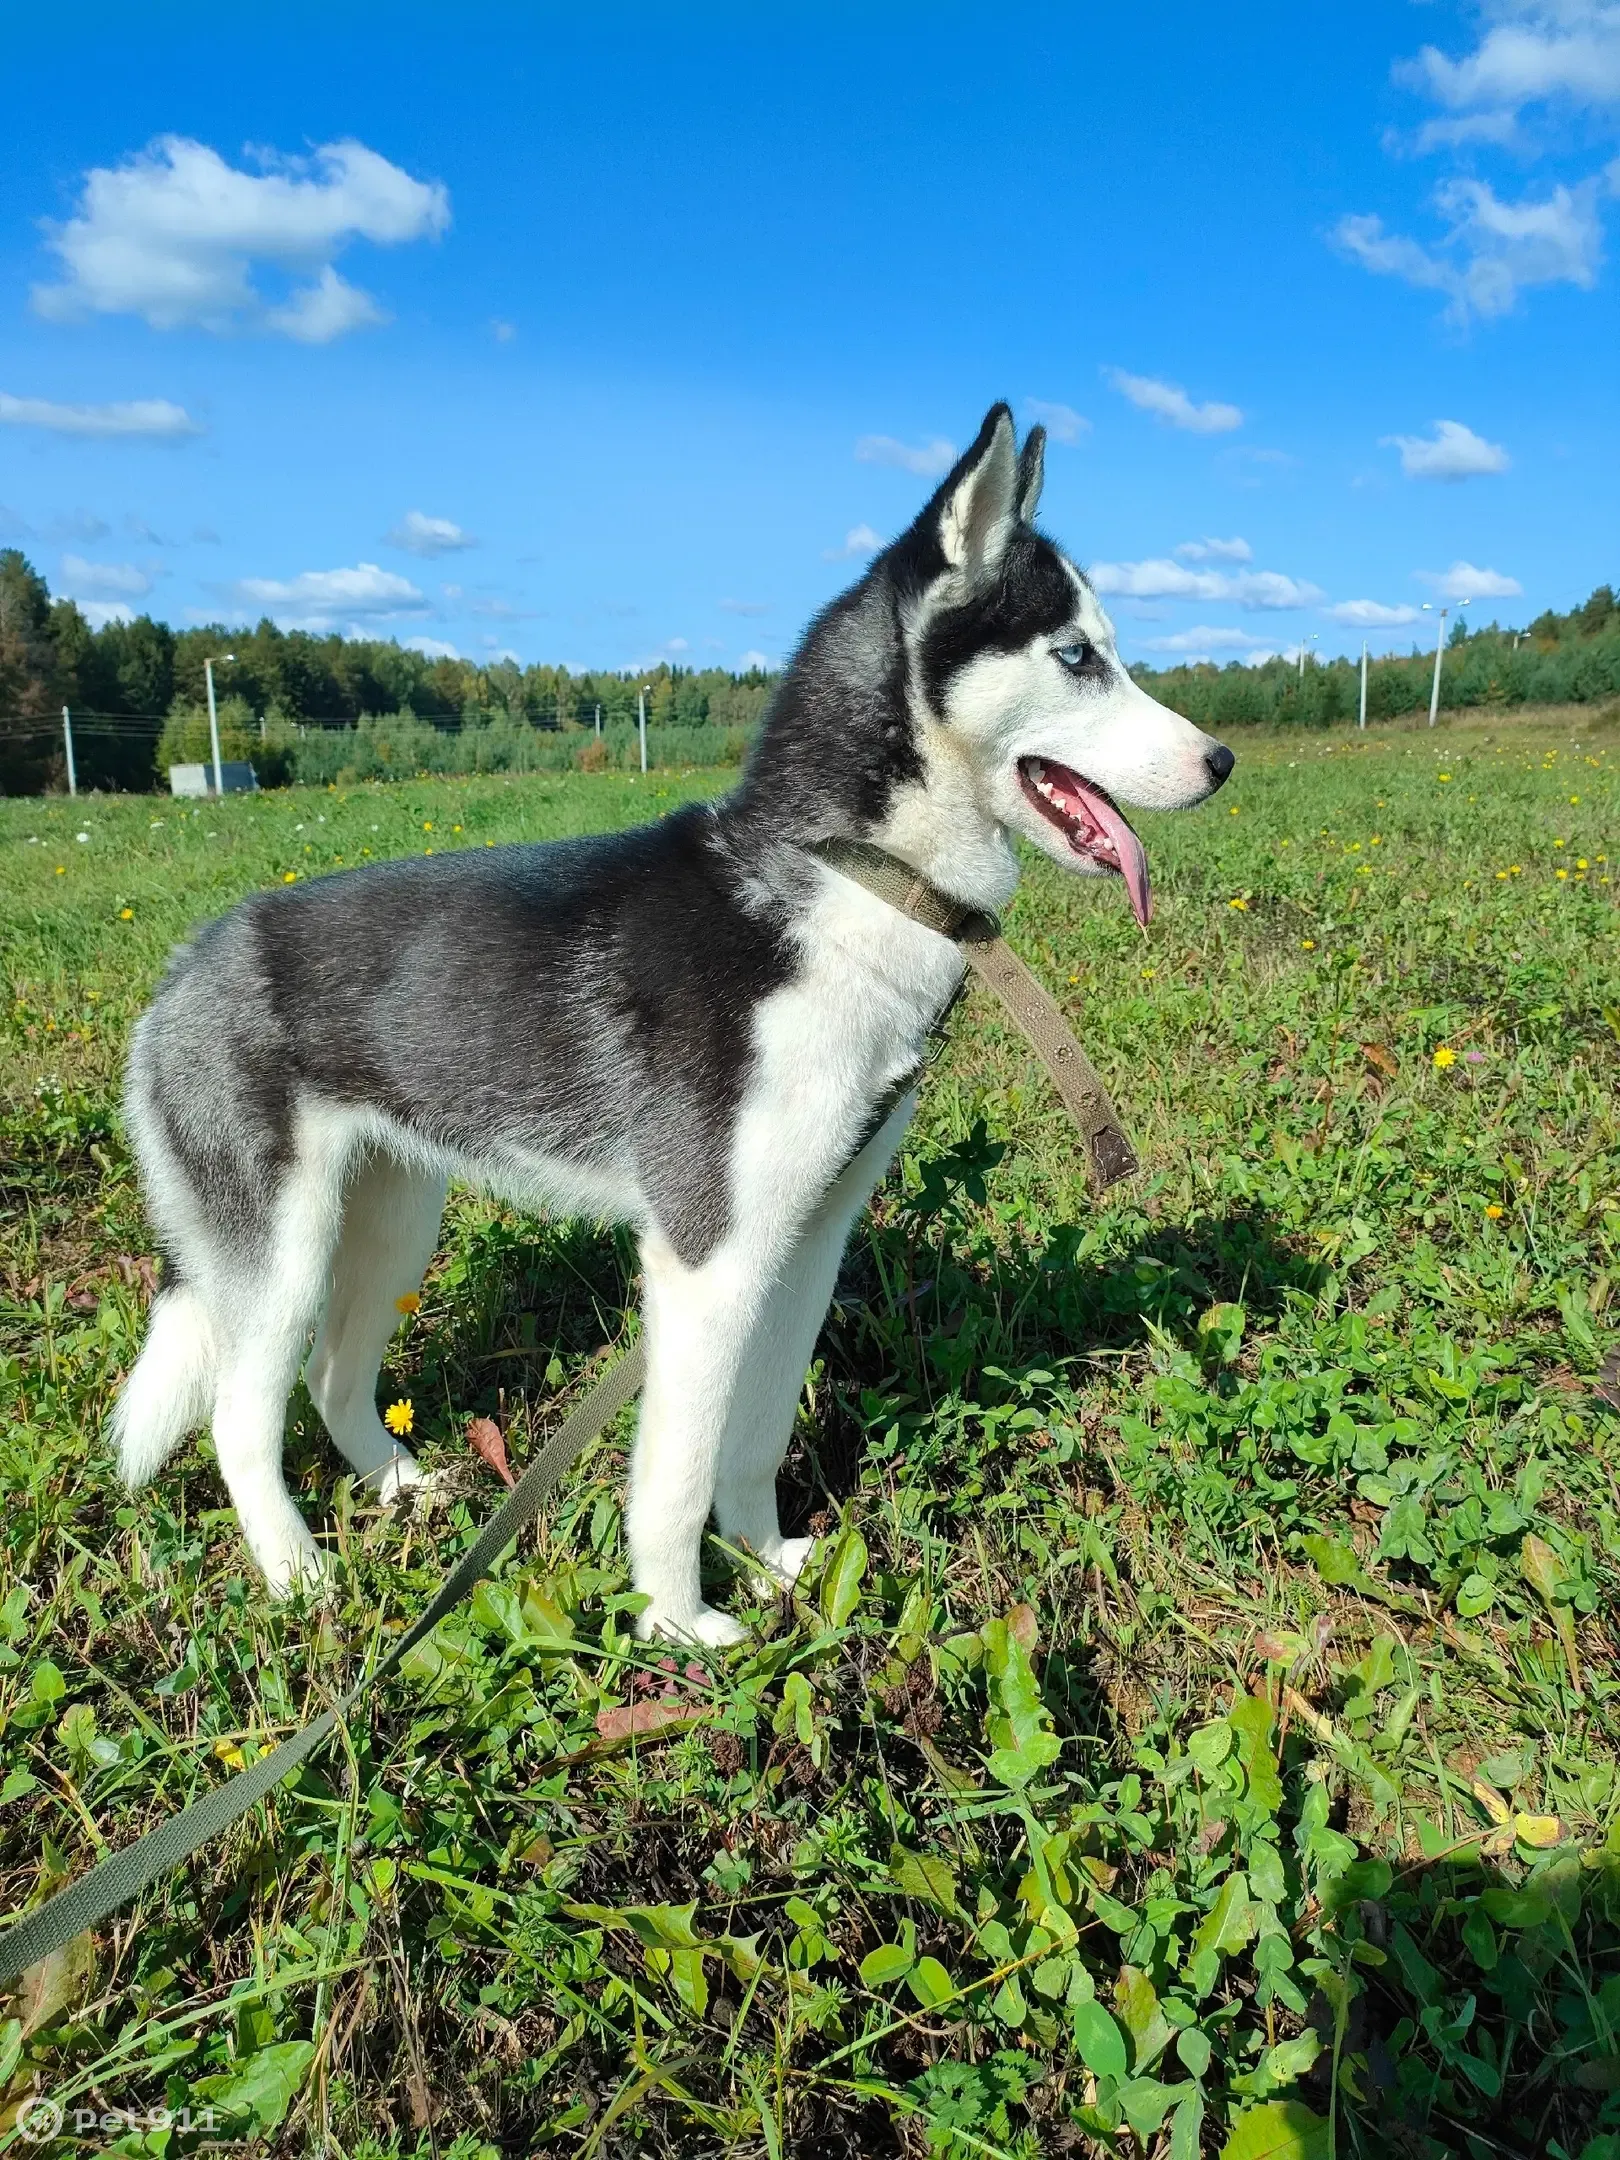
(691, 1028)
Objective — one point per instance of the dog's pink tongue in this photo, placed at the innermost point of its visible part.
(1131, 854)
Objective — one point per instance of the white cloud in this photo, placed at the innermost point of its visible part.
(104, 581)
(1061, 422)
(172, 235)
(1537, 51)
(316, 314)
(746, 607)
(99, 613)
(1203, 640)
(1464, 582)
(431, 648)
(748, 660)
(1168, 401)
(927, 459)
(1452, 452)
(1369, 614)
(419, 534)
(154, 418)
(859, 540)
(1499, 128)
(1209, 550)
(1493, 249)
(319, 599)
(1161, 579)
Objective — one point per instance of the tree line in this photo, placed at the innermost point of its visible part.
(128, 680)
(1571, 659)
(136, 690)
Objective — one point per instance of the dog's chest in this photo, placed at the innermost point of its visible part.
(832, 1044)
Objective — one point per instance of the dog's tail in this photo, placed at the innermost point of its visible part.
(170, 1391)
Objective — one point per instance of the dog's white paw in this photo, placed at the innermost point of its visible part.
(402, 1473)
(292, 1563)
(712, 1630)
(782, 1563)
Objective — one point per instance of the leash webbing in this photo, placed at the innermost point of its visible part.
(122, 1876)
(1109, 1155)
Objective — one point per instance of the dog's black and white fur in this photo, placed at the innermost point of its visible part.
(687, 1028)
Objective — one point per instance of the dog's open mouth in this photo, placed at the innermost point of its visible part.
(1091, 825)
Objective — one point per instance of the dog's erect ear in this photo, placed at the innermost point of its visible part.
(1031, 472)
(978, 504)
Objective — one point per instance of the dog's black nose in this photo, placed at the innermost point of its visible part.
(1220, 762)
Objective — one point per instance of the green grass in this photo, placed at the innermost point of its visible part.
(1198, 1732)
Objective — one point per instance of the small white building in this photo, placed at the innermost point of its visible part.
(239, 778)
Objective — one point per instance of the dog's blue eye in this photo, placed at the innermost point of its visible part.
(1072, 656)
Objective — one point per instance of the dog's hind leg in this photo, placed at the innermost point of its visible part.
(169, 1390)
(390, 1228)
(267, 1301)
(770, 1379)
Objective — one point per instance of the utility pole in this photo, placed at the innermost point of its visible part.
(213, 721)
(1439, 654)
(1303, 644)
(641, 722)
(1362, 722)
(67, 738)
(599, 723)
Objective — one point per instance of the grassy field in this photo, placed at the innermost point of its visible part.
(1198, 1734)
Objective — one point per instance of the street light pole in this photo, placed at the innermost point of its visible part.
(67, 738)
(1304, 644)
(641, 722)
(213, 721)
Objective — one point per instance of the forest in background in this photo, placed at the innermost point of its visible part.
(312, 707)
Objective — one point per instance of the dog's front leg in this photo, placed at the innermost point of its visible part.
(771, 1379)
(697, 1321)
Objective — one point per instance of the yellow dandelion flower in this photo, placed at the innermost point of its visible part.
(410, 1303)
(1514, 869)
(1232, 812)
(289, 877)
(61, 870)
(1377, 840)
(1307, 944)
(1574, 798)
(399, 1417)
(455, 828)
(1501, 874)
(1494, 1212)
(1560, 873)
(1580, 862)
(1443, 1057)
(427, 824)
(127, 914)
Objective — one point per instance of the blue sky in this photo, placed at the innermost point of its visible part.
(604, 335)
